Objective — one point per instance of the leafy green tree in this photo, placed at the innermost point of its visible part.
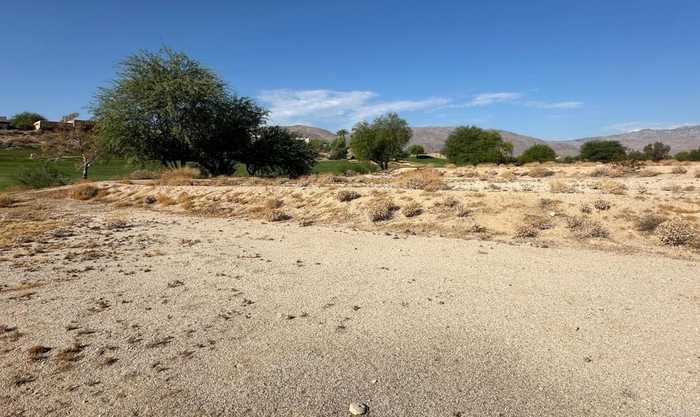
(637, 156)
(603, 151)
(382, 140)
(657, 151)
(275, 151)
(165, 106)
(415, 150)
(472, 145)
(339, 149)
(25, 120)
(692, 155)
(538, 153)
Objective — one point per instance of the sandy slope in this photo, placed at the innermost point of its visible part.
(178, 315)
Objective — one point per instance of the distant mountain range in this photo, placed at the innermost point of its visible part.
(433, 138)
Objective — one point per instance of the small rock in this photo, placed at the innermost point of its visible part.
(357, 409)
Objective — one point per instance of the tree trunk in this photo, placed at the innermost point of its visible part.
(86, 165)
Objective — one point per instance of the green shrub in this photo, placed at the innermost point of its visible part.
(472, 145)
(42, 175)
(25, 120)
(538, 153)
(603, 150)
(415, 150)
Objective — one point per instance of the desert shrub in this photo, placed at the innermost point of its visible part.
(25, 120)
(380, 209)
(648, 173)
(548, 203)
(462, 211)
(415, 150)
(165, 199)
(585, 208)
(526, 231)
(273, 203)
(610, 187)
(539, 172)
(657, 151)
(83, 192)
(6, 200)
(179, 176)
(427, 179)
(42, 175)
(696, 173)
(447, 201)
(144, 174)
(347, 195)
(149, 199)
(584, 227)
(539, 222)
(600, 172)
(508, 175)
(412, 209)
(678, 170)
(561, 187)
(601, 204)
(676, 232)
(649, 222)
(274, 215)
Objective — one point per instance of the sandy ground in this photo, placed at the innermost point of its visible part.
(145, 313)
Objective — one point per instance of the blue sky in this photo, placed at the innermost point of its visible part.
(551, 69)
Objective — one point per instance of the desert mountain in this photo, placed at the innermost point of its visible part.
(433, 138)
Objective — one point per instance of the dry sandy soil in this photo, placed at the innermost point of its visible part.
(273, 298)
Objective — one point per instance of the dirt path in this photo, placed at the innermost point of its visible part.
(167, 315)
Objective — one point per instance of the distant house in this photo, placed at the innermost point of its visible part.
(46, 125)
(4, 123)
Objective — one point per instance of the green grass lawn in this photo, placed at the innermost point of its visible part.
(427, 160)
(13, 160)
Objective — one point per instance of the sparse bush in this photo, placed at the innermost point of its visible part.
(179, 176)
(427, 179)
(462, 211)
(676, 232)
(678, 170)
(584, 227)
(447, 201)
(539, 172)
(165, 199)
(602, 205)
(585, 208)
(83, 192)
(41, 176)
(273, 215)
(273, 203)
(526, 231)
(143, 174)
(649, 222)
(347, 195)
(380, 209)
(561, 187)
(648, 173)
(412, 209)
(610, 187)
(539, 222)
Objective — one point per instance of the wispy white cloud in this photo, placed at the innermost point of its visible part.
(339, 108)
(554, 105)
(627, 127)
(485, 99)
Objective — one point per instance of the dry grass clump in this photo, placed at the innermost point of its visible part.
(179, 176)
(678, 170)
(561, 187)
(539, 172)
(347, 195)
(6, 201)
(648, 173)
(602, 205)
(539, 222)
(526, 231)
(462, 211)
(584, 227)
(508, 175)
(144, 174)
(696, 173)
(83, 192)
(676, 232)
(585, 208)
(274, 215)
(649, 222)
(165, 200)
(447, 201)
(610, 187)
(412, 209)
(380, 209)
(427, 179)
(605, 171)
(185, 200)
(273, 203)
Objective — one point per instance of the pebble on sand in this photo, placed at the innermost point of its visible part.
(357, 409)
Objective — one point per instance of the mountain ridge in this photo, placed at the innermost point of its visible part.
(432, 138)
